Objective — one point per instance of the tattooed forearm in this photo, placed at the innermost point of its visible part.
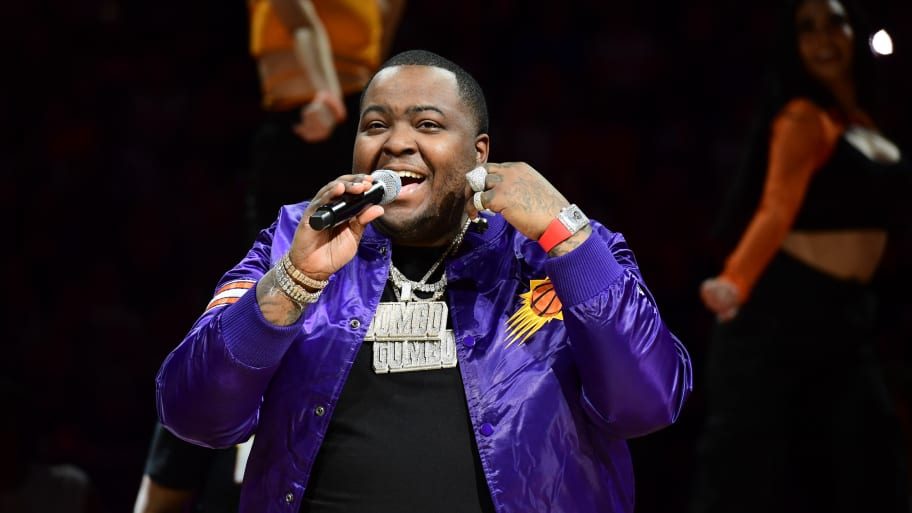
(572, 243)
(276, 307)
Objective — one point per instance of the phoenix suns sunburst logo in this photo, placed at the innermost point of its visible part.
(540, 306)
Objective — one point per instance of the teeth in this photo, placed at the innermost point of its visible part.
(409, 174)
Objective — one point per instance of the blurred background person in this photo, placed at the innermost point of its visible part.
(313, 59)
(799, 417)
(183, 477)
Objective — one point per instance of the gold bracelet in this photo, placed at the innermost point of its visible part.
(300, 277)
(295, 292)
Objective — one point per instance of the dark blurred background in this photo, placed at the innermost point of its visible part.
(128, 124)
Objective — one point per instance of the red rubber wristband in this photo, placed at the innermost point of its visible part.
(554, 235)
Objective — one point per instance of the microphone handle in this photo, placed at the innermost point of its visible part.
(346, 207)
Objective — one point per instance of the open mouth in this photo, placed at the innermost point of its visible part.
(410, 178)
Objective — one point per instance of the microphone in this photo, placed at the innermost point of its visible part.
(384, 190)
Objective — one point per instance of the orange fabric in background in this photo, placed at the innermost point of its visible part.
(354, 28)
(802, 140)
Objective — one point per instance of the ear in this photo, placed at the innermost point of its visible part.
(482, 147)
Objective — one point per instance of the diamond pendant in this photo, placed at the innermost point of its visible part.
(406, 293)
(411, 337)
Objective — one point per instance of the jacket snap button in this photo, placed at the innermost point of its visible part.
(468, 341)
(487, 429)
(354, 323)
(319, 411)
(289, 497)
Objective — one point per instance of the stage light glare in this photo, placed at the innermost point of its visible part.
(881, 43)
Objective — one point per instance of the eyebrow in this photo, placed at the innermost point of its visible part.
(422, 108)
(411, 110)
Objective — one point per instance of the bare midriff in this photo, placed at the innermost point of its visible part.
(851, 255)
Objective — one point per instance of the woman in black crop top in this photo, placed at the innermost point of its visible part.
(798, 414)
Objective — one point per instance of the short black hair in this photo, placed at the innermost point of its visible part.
(469, 89)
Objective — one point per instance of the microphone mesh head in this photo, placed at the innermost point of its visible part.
(390, 182)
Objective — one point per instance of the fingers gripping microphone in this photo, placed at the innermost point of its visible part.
(385, 189)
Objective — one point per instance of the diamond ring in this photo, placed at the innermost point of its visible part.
(476, 178)
(476, 199)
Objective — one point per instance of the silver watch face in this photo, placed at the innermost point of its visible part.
(573, 218)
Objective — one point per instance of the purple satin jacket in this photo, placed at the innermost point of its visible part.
(550, 415)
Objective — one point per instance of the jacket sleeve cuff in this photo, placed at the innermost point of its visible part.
(252, 339)
(584, 272)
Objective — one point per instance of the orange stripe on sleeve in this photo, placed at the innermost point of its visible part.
(235, 285)
(223, 301)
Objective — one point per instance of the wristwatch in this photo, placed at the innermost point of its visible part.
(568, 221)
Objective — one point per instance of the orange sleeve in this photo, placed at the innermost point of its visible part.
(799, 144)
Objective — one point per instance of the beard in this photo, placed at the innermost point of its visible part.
(432, 227)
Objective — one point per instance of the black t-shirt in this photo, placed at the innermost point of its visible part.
(174, 463)
(399, 442)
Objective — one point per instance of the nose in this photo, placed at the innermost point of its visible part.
(400, 140)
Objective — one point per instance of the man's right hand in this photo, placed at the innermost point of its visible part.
(319, 254)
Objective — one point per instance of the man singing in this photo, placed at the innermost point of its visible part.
(475, 345)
